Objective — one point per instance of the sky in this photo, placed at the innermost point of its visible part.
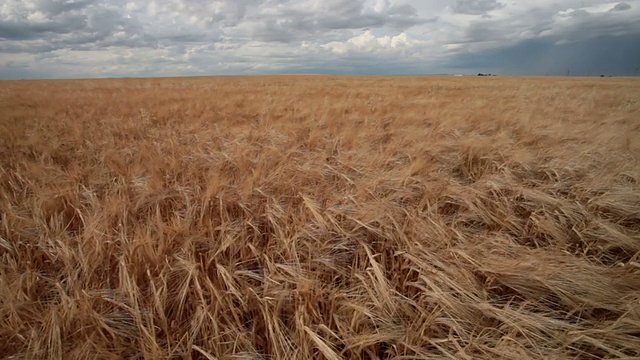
(131, 38)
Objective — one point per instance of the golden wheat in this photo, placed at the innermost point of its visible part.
(320, 217)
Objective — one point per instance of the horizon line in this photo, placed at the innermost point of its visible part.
(317, 74)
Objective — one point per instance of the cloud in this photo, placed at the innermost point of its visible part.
(94, 38)
(575, 25)
(621, 7)
(369, 43)
(62, 24)
(561, 23)
(323, 20)
(39, 26)
(475, 7)
(605, 55)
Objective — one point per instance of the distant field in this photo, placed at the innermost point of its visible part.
(327, 217)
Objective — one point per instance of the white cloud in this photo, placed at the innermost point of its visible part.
(367, 42)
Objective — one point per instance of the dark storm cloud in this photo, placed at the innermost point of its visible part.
(556, 40)
(605, 55)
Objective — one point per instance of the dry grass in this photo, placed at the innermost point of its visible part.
(320, 217)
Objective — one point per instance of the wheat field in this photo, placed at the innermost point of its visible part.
(320, 217)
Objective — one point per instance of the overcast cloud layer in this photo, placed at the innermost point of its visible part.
(106, 38)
